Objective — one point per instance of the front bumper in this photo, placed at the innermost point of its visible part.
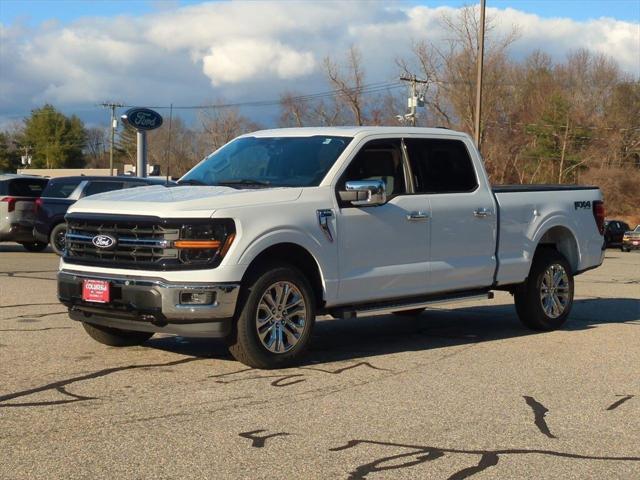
(628, 244)
(151, 305)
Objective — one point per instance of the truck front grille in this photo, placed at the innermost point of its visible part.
(140, 242)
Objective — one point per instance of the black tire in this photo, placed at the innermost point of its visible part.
(244, 342)
(56, 238)
(528, 297)
(114, 337)
(34, 246)
(414, 312)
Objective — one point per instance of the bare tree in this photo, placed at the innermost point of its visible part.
(96, 148)
(348, 82)
(222, 125)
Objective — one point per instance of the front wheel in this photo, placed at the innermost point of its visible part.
(114, 337)
(34, 246)
(57, 238)
(544, 301)
(274, 319)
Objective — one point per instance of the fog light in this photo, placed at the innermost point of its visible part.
(196, 298)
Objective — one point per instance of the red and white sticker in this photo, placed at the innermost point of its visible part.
(95, 291)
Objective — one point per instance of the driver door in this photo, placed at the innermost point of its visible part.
(384, 250)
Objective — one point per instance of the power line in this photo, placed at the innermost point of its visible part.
(366, 89)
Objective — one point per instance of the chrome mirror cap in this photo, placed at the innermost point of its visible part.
(365, 193)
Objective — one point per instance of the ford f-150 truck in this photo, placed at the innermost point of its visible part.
(279, 226)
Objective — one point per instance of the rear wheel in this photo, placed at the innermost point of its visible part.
(114, 337)
(544, 301)
(57, 238)
(274, 318)
(34, 246)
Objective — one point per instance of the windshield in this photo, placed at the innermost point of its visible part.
(254, 162)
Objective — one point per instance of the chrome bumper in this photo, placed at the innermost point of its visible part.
(151, 304)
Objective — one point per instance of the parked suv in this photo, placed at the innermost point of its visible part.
(18, 194)
(62, 192)
(614, 231)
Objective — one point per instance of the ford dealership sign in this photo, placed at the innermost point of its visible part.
(142, 118)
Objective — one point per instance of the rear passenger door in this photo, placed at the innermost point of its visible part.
(463, 218)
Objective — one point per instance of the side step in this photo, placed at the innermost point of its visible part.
(379, 308)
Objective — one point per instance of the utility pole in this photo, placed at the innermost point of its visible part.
(413, 99)
(480, 61)
(113, 126)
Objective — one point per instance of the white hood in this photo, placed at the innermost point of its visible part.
(187, 200)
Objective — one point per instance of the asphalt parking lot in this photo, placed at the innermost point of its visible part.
(464, 391)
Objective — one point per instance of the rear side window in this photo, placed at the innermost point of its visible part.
(60, 189)
(23, 187)
(441, 166)
(100, 187)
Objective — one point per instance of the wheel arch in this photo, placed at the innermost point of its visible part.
(296, 255)
(563, 240)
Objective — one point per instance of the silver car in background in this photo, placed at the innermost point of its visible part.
(18, 195)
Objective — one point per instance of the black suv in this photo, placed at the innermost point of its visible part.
(62, 192)
(614, 231)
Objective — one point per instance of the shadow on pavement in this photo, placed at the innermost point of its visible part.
(17, 248)
(336, 340)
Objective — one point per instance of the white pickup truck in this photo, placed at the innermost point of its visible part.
(279, 226)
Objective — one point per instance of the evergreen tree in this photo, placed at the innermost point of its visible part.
(55, 140)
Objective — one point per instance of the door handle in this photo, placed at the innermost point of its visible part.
(417, 216)
(482, 212)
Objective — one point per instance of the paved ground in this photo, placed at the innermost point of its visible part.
(462, 392)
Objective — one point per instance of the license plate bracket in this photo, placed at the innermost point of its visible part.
(96, 291)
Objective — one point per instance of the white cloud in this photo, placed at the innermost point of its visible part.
(197, 53)
(236, 61)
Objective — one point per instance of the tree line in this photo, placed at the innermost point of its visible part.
(572, 121)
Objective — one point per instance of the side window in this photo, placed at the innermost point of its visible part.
(441, 166)
(378, 160)
(60, 189)
(101, 187)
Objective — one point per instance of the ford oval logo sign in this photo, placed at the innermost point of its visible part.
(103, 241)
(142, 118)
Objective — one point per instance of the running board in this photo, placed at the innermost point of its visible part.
(380, 308)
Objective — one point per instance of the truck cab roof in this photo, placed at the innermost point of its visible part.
(351, 131)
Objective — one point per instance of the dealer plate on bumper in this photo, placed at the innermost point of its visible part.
(97, 291)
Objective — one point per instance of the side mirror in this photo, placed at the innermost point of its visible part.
(364, 193)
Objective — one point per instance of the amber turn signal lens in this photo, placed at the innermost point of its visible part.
(196, 244)
(227, 244)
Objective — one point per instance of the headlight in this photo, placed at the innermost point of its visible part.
(205, 243)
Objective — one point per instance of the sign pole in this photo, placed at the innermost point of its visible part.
(141, 161)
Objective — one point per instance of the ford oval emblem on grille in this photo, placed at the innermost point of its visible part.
(103, 241)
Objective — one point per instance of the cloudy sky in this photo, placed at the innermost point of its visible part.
(76, 54)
